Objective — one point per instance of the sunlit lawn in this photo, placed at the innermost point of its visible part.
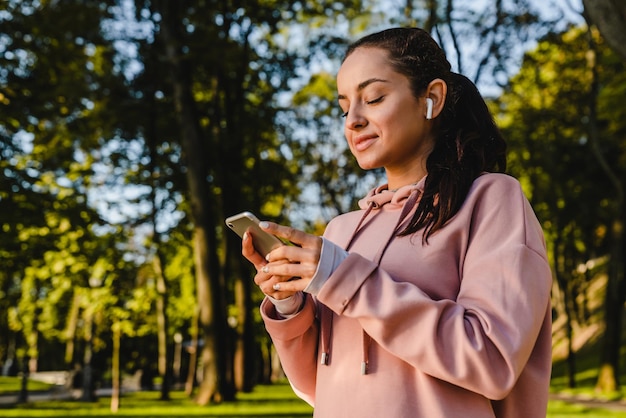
(559, 409)
(265, 401)
(12, 384)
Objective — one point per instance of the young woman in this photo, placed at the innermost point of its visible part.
(433, 299)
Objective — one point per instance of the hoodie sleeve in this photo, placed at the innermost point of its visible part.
(295, 340)
(483, 339)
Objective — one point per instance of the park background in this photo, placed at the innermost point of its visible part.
(129, 130)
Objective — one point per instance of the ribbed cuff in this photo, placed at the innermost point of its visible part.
(330, 258)
(288, 307)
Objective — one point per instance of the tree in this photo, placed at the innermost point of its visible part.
(541, 115)
(209, 108)
(610, 18)
(58, 84)
(225, 119)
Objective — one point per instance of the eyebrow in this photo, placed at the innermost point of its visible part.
(364, 84)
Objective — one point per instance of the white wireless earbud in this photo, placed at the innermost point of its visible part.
(429, 108)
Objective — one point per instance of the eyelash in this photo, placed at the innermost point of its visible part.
(371, 102)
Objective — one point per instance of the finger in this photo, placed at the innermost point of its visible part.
(262, 279)
(264, 274)
(285, 289)
(291, 234)
(289, 270)
(279, 291)
(282, 272)
(249, 252)
(295, 255)
(276, 288)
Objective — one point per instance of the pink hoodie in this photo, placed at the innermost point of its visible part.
(459, 327)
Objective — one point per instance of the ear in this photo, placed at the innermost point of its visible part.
(436, 91)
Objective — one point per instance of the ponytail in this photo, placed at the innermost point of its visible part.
(468, 143)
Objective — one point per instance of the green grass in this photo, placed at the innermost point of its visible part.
(13, 384)
(559, 409)
(265, 401)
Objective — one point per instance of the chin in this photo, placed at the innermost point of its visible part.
(368, 165)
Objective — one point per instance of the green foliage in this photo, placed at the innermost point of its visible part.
(96, 172)
(544, 116)
(568, 151)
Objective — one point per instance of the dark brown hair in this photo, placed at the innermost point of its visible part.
(467, 140)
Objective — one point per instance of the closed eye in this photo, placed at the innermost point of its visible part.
(370, 102)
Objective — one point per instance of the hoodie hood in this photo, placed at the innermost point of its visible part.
(381, 195)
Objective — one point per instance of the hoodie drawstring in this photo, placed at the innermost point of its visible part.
(326, 330)
(326, 315)
(406, 209)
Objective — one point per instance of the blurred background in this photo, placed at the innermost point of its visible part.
(129, 130)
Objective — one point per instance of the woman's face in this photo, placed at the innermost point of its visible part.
(385, 124)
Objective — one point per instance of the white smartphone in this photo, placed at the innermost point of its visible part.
(263, 242)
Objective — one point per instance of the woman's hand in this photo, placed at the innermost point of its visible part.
(289, 268)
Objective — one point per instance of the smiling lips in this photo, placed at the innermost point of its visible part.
(362, 142)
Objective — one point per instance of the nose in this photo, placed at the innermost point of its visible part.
(355, 119)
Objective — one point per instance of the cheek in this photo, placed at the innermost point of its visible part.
(409, 119)
(390, 121)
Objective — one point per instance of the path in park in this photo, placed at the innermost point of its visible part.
(61, 390)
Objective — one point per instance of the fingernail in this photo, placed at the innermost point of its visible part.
(263, 224)
(265, 269)
(245, 236)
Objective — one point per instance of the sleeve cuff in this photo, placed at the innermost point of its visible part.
(288, 307)
(330, 258)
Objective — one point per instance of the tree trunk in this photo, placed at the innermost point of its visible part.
(23, 395)
(245, 365)
(115, 368)
(608, 379)
(212, 358)
(165, 350)
(88, 394)
(559, 253)
(239, 369)
(610, 18)
(193, 356)
(212, 319)
(164, 346)
(70, 331)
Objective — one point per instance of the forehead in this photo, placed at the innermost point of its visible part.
(363, 64)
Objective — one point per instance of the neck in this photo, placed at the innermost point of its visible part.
(396, 183)
(400, 176)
